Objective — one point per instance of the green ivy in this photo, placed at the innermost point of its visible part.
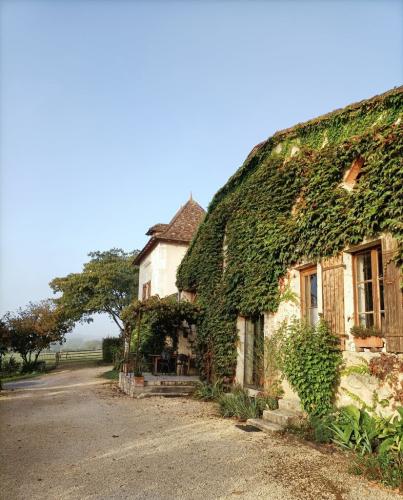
(310, 360)
(277, 210)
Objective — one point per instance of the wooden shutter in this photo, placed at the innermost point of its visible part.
(393, 330)
(333, 295)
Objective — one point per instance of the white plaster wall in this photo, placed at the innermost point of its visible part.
(160, 267)
(287, 309)
(362, 387)
(171, 257)
(149, 271)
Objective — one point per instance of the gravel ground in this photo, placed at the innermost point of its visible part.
(71, 435)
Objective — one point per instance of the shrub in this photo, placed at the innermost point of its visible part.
(386, 468)
(110, 347)
(392, 434)
(356, 429)
(33, 366)
(235, 405)
(310, 360)
(208, 392)
(239, 404)
(321, 430)
(10, 366)
(313, 428)
(265, 401)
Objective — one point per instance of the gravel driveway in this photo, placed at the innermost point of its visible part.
(72, 435)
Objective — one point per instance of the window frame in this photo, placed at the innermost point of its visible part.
(257, 324)
(375, 251)
(304, 273)
(146, 293)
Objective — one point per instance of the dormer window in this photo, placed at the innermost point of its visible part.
(353, 174)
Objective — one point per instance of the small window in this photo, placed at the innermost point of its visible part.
(146, 290)
(368, 289)
(309, 295)
(353, 174)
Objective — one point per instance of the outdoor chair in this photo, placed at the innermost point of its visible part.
(165, 362)
(183, 364)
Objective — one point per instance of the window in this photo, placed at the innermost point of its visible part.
(146, 290)
(368, 288)
(254, 350)
(309, 295)
(353, 174)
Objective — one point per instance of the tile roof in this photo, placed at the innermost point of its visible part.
(156, 228)
(181, 229)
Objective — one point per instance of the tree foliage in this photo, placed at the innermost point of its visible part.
(107, 284)
(159, 318)
(33, 329)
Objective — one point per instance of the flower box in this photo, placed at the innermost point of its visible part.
(371, 341)
(139, 381)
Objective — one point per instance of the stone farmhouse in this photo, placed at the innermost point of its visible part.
(310, 226)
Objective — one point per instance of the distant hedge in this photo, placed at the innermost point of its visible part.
(109, 346)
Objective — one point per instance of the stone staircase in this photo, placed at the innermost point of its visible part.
(158, 386)
(288, 413)
(166, 388)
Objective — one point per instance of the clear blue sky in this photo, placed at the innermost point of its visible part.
(113, 111)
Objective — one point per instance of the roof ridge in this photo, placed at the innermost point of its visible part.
(326, 116)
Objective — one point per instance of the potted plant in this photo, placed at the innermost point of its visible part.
(367, 336)
(138, 375)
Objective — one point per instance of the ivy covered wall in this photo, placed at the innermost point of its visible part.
(286, 204)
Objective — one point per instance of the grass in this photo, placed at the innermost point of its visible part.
(111, 375)
(22, 376)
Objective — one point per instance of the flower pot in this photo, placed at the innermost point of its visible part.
(139, 381)
(368, 341)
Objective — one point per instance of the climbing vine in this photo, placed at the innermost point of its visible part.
(286, 204)
(310, 360)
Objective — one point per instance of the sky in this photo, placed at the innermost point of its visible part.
(113, 112)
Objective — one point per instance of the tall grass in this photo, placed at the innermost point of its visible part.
(239, 404)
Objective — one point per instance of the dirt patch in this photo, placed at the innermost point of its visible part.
(76, 436)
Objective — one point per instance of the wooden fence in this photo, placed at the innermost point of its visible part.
(65, 356)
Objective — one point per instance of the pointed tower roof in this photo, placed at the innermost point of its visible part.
(180, 230)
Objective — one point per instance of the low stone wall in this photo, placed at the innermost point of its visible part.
(383, 394)
(360, 388)
(126, 384)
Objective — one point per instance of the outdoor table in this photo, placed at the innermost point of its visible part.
(155, 358)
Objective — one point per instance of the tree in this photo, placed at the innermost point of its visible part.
(4, 344)
(4, 339)
(33, 329)
(107, 284)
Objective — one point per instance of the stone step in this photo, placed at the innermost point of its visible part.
(264, 426)
(153, 394)
(289, 404)
(281, 417)
(170, 383)
(166, 389)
